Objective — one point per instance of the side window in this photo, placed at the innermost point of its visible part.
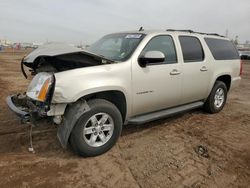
(191, 49)
(164, 44)
(222, 49)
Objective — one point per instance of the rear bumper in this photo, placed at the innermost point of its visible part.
(235, 82)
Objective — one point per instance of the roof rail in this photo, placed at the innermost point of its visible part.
(191, 31)
(181, 30)
(210, 34)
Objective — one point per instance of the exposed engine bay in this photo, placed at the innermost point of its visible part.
(45, 60)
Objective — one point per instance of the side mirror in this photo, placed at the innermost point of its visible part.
(151, 57)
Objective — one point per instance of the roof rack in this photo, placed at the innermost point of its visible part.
(191, 31)
(181, 30)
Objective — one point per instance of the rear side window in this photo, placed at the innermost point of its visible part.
(191, 49)
(222, 49)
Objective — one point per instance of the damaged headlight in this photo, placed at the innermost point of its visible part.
(40, 85)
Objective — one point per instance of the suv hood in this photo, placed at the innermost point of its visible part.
(58, 57)
(50, 49)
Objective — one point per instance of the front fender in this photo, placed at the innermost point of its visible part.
(72, 85)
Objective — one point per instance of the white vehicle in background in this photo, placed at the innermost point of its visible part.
(126, 78)
(244, 55)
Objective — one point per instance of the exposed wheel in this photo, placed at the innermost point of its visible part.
(217, 98)
(97, 130)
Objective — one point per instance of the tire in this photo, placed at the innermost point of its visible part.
(213, 105)
(92, 135)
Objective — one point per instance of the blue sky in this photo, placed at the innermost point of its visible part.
(79, 20)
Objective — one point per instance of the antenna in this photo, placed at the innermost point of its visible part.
(141, 29)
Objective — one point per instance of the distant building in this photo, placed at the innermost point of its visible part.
(244, 46)
(5, 43)
(37, 44)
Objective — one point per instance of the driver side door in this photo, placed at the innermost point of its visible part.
(158, 85)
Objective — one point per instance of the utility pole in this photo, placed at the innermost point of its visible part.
(227, 33)
(236, 42)
(5, 40)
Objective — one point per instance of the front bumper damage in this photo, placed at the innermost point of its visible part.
(32, 111)
(19, 111)
(25, 108)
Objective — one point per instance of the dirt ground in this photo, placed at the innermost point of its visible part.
(158, 154)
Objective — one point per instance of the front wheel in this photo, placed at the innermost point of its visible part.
(97, 130)
(217, 98)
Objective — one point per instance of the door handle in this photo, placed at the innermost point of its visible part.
(204, 68)
(175, 72)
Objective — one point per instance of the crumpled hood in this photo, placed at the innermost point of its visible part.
(51, 49)
(57, 57)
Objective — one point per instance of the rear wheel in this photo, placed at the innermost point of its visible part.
(97, 130)
(217, 98)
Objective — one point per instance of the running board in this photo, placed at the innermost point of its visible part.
(164, 113)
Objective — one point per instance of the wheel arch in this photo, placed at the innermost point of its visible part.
(116, 97)
(226, 78)
(72, 112)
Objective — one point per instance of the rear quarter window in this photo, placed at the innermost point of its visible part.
(192, 50)
(222, 49)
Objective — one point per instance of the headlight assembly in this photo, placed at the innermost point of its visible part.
(40, 85)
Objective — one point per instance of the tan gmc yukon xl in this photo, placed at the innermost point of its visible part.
(125, 78)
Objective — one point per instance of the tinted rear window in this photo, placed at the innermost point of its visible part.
(222, 49)
(191, 49)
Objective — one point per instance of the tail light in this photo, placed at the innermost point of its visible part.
(241, 68)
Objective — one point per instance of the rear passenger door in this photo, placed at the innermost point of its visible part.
(195, 69)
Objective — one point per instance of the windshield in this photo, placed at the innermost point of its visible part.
(117, 47)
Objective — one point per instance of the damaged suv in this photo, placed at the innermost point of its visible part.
(125, 78)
